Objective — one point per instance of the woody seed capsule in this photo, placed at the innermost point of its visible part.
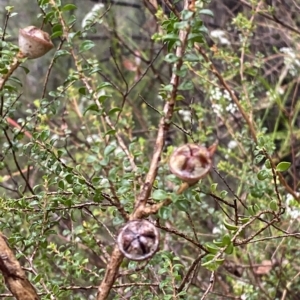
(191, 162)
(34, 42)
(138, 240)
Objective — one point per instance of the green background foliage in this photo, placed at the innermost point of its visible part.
(78, 129)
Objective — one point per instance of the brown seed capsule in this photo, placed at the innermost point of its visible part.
(138, 240)
(191, 162)
(34, 42)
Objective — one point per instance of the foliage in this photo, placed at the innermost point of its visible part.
(86, 128)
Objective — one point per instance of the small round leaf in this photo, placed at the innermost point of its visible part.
(283, 166)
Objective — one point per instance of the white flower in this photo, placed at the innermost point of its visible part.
(232, 144)
(217, 109)
(291, 210)
(216, 95)
(186, 115)
(219, 229)
(104, 182)
(118, 150)
(92, 138)
(220, 35)
(231, 107)
(290, 59)
(92, 15)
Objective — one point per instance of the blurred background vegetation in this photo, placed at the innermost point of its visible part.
(63, 171)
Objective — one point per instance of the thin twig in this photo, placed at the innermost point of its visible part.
(210, 286)
(189, 271)
(229, 90)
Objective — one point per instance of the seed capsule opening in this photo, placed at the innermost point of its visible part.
(191, 162)
(138, 240)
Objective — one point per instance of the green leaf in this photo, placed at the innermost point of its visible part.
(258, 158)
(104, 162)
(167, 88)
(207, 258)
(192, 57)
(159, 195)
(181, 25)
(102, 98)
(230, 226)
(211, 264)
(49, 16)
(186, 86)
(170, 45)
(182, 73)
(26, 70)
(37, 278)
(96, 180)
(244, 220)
(61, 184)
(60, 53)
(16, 80)
(253, 209)
(56, 34)
(110, 132)
(98, 197)
(9, 8)
(82, 91)
(219, 244)
(213, 187)
(68, 7)
(212, 248)
(109, 149)
(71, 20)
(262, 174)
(273, 205)
(92, 107)
(86, 45)
(206, 12)
(182, 205)
(72, 35)
(180, 97)
(165, 213)
(229, 249)
(45, 135)
(196, 37)
(170, 37)
(223, 194)
(186, 14)
(57, 27)
(268, 164)
(171, 58)
(103, 85)
(256, 191)
(226, 240)
(77, 189)
(114, 110)
(10, 88)
(69, 178)
(283, 166)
